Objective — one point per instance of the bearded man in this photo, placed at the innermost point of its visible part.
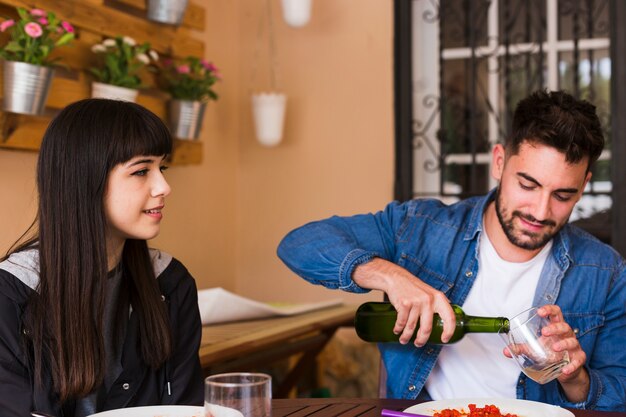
(495, 255)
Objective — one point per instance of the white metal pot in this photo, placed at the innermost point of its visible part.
(186, 118)
(113, 92)
(268, 111)
(167, 11)
(26, 87)
(297, 13)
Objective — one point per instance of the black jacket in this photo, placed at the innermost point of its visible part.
(179, 381)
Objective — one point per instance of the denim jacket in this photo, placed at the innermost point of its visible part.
(439, 244)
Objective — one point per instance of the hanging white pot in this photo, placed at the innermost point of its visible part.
(113, 92)
(186, 117)
(167, 11)
(297, 13)
(268, 111)
(26, 87)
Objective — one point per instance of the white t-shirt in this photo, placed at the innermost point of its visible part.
(475, 366)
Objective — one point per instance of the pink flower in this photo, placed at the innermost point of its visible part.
(43, 21)
(183, 69)
(6, 24)
(37, 12)
(33, 30)
(67, 26)
(211, 67)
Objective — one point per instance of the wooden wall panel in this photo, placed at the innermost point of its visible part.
(95, 20)
(107, 21)
(22, 132)
(194, 15)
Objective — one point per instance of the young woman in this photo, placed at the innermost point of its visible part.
(90, 318)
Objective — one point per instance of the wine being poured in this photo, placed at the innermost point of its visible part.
(374, 322)
(532, 350)
(542, 373)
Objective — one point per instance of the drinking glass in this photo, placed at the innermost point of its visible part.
(531, 349)
(249, 393)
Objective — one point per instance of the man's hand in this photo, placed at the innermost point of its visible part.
(574, 380)
(412, 298)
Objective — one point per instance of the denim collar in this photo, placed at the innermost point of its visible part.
(556, 264)
(561, 247)
(475, 227)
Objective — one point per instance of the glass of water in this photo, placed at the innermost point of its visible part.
(531, 349)
(248, 393)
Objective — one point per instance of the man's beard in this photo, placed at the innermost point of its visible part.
(537, 240)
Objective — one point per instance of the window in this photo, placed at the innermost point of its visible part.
(472, 61)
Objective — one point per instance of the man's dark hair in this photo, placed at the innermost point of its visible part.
(558, 120)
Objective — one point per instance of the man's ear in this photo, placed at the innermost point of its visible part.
(498, 156)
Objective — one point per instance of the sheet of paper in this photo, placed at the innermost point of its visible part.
(218, 305)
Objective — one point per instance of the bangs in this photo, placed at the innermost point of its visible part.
(89, 137)
(134, 134)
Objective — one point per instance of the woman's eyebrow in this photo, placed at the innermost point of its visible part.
(141, 161)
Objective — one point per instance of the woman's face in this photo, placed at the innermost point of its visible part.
(135, 198)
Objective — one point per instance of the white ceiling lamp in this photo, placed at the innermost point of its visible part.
(297, 13)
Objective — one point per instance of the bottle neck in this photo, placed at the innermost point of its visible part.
(476, 324)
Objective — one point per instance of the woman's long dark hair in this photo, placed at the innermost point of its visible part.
(65, 318)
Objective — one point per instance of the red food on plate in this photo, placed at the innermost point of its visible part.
(486, 411)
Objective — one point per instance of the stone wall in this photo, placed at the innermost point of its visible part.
(349, 367)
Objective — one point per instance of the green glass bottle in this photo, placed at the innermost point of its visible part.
(374, 322)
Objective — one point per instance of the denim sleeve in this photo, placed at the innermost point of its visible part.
(326, 252)
(606, 365)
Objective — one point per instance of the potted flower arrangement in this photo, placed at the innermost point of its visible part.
(122, 59)
(27, 63)
(190, 83)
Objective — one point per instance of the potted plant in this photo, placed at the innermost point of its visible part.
(27, 64)
(190, 82)
(122, 58)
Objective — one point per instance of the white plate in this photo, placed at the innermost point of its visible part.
(168, 411)
(523, 408)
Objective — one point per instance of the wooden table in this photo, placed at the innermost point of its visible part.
(246, 345)
(352, 407)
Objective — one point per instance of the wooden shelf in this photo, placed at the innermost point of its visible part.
(95, 20)
(24, 133)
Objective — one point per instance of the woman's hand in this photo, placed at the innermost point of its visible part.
(414, 300)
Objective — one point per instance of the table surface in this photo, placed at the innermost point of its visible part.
(224, 342)
(347, 407)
